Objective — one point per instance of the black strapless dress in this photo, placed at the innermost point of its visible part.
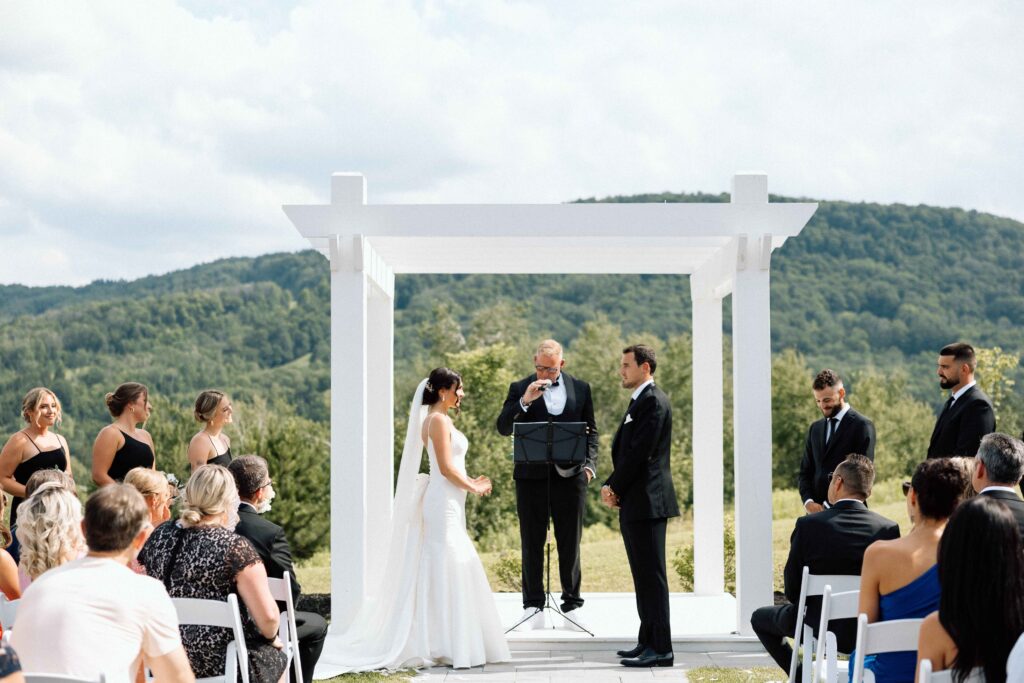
(132, 454)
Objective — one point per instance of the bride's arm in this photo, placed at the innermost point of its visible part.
(439, 431)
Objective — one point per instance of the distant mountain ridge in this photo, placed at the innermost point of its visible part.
(863, 284)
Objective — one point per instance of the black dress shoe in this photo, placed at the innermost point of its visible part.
(649, 658)
(631, 653)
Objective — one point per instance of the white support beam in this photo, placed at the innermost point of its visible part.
(350, 493)
(708, 504)
(380, 443)
(752, 418)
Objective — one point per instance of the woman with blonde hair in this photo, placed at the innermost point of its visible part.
(122, 446)
(200, 556)
(34, 448)
(9, 583)
(210, 446)
(154, 489)
(50, 529)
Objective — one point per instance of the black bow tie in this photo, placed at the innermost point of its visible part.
(556, 382)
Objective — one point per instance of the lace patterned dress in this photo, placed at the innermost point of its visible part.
(208, 560)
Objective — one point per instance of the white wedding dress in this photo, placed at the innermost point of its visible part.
(433, 605)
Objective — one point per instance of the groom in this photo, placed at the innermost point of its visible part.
(555, 395)
(641, 488)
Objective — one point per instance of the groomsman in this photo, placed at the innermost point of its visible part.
(552, 394)
(840, 432)
(641, 488)
(968, 414)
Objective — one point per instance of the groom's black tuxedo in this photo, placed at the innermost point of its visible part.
(642, 479)
(854, 434)
(541, 486)
(959, 429)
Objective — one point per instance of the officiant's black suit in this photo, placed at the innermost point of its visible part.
(854, 434)
(642, 479)
(959, 428)
(568, 488)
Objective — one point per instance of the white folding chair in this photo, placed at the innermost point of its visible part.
(281, 590)
(898, 635)
(8, 611)
(60, 678)
(194, 612)
(827, 666)
(977, 674)
(812, 585)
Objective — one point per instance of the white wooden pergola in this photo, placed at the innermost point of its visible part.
(725, 248)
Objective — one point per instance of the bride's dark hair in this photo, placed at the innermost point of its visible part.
(439, 378)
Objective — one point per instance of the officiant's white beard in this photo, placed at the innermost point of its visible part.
(264, 505)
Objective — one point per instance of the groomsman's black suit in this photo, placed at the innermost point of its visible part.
(829, 542)
(567, 493)
(854, 434)
(642, 479)
(271, 545)
(960, 426)
(1012, 501)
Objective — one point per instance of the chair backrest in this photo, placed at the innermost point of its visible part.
(926, 675)
(281, 590)
(193, 611)
(834, 606)
(8, 611)
(898, 635)
(60, 678)
(812, 585)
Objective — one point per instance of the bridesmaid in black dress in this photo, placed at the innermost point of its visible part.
(34, 448)
(211, 446)
(123, 446)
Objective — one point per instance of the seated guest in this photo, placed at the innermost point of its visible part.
(9, 584)
(10, 666)
(92, 615)
(49, 529)
(829, 542)
(199, 556)
(256, 490)
(900, 578)
(981, 611)
(998, 469)
(152, 484)
(42, 476)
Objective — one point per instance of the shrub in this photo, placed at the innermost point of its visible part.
(682, 561)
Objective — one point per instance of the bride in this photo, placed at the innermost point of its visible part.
(433, 604)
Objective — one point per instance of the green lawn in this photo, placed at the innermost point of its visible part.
(605, 569)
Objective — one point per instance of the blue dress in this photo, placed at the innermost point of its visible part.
(916, 600)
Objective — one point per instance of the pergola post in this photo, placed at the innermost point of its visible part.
(362, 444)
(708, 519)
(752, 409)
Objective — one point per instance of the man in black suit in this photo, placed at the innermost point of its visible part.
(829, 542)
(998, 469)
(640, 486)
(551, 394)
(967, 415)
(840, 432)
(256, 490)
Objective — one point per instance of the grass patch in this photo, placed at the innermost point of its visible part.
(605, 569)
(761, 674)
(375, 677)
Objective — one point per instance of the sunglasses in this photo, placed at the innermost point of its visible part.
(906, 487)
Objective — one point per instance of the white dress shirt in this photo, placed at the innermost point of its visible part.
(641, 388)
(960, 392)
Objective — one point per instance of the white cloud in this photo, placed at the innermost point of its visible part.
(142, 137)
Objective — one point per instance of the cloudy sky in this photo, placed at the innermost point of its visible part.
(142, 137)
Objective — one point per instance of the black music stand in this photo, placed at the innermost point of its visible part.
(561, 444)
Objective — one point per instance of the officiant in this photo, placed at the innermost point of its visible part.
(551, 393)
